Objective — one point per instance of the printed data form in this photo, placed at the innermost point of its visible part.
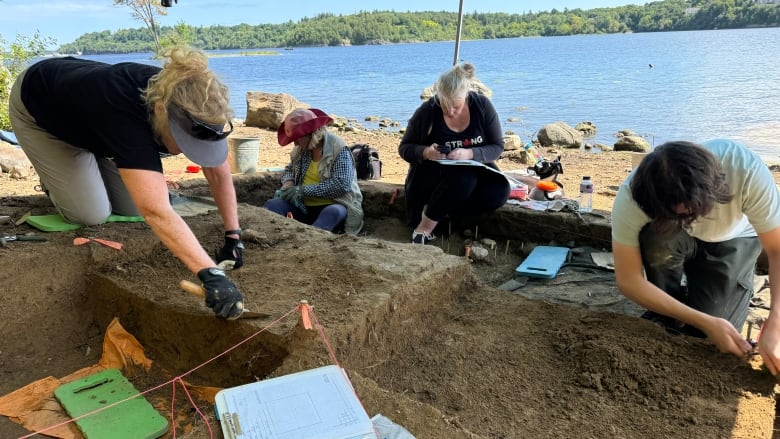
(314, 404)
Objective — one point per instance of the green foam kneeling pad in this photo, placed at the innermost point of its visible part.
(56, 223)
(134, 418)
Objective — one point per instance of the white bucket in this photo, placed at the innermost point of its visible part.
(243, 154)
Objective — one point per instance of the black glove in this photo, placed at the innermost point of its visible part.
(231, 254)
(222, 296)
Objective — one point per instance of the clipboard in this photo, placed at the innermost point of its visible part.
(544, 261)
(314, 404)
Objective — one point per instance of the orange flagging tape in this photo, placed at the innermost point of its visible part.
(107, 243)
(393, 196)
(305, 315)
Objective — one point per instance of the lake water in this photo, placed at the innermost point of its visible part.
(665, 86)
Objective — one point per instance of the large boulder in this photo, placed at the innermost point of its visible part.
(559, 135)
(587, 128)
(15, 162)
(512, 142)
(267, 110)
(632, 143)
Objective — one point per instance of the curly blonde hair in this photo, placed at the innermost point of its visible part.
(186, 82)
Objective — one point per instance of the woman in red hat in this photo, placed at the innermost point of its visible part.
(319, 185)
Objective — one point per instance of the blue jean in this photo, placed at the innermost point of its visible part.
(328, 217)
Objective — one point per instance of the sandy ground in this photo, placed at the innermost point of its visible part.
(428, 338)
(607, 170)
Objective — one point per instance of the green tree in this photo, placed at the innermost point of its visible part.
(13, 59)
(146, 10)
(182, 33)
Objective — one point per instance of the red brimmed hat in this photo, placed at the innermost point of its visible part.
(299, 123)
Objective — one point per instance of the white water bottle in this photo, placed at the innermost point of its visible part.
(586, 194)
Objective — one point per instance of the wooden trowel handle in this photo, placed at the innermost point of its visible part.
(193, 288)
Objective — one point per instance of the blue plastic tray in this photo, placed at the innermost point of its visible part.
(544, 261)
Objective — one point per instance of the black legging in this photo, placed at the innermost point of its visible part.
(454, 190)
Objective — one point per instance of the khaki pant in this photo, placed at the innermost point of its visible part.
(84, 188)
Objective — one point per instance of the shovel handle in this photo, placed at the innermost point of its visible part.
(193, 288)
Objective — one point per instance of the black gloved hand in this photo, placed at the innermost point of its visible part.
(231, 255)
(222, 296)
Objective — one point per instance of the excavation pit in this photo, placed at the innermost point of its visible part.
(426, 337)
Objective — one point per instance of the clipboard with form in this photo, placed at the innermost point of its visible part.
(474, 163)
(314, 404)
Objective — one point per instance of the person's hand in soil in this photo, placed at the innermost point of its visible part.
(725, 337)
(222, 295)
(769, 344)
(231, 255)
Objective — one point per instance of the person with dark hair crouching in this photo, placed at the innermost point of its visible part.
(688, 225)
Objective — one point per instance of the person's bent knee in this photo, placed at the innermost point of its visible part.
(277, 205)
(331, 217)
(87, 218)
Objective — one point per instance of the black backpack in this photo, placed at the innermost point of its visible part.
(544, 168)
(367, 163)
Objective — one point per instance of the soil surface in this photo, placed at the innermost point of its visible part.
(438, 344)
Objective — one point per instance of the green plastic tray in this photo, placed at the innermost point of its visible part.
(132, 419)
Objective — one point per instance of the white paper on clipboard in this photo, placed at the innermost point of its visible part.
(313, 404)
(474, 163)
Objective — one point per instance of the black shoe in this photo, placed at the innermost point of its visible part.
(422, 237)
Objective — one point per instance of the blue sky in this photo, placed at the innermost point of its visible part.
(66, 20)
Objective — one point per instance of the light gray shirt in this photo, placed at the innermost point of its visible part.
(755, 207)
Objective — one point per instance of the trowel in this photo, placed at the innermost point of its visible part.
(197, 290)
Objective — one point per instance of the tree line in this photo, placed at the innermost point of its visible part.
(382, 27)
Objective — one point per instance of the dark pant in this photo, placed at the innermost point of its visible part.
(719, 274)
(454, 191)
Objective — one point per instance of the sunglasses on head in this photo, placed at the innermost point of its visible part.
(204, 131)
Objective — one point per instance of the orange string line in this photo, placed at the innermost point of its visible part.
(167, 382)
(321, 331)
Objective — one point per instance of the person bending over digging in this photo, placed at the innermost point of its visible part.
(695, 218)
(457, 123)
(319, 185)
(94, 133)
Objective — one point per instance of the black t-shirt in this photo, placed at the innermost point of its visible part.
(472, 136)
(95, 106)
